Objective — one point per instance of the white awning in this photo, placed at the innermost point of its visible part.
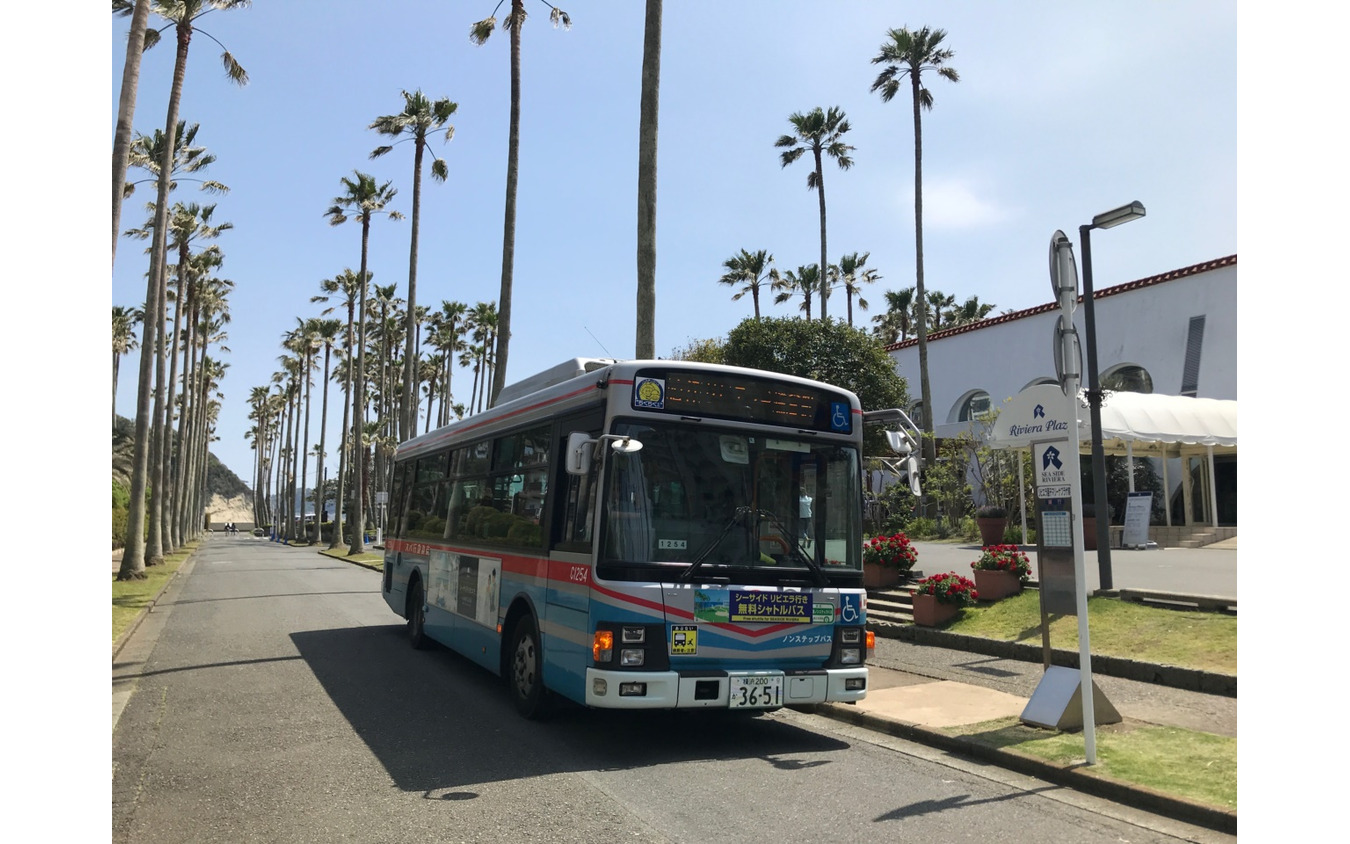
(1040, 413)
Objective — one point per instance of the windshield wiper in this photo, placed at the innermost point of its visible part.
(796, 547)
(736, 516)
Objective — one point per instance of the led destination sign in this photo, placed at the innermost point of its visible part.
(708, 394)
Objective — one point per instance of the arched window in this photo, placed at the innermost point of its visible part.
(916, 414)
(1127, 378)
(975, 405)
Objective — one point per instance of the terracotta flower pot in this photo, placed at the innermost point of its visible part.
(880, 577)
(991, 530)
(929, 612)
(996, 585)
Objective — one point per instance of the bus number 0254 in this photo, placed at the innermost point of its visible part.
(577, 574)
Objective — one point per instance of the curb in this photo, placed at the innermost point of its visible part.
(1139, 797)
(1188, 679)
(122, 640)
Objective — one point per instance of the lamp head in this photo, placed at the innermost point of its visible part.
(1116, 216)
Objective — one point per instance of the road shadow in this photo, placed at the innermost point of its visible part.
(438, 722)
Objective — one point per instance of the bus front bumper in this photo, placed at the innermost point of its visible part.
(712, 689)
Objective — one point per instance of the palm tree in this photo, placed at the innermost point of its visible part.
(419, 117)
(907, 53)
(646, 210)
(801, 283)
(479, 34)
(364, 199)
(898, 321)
(123, 341)
(126, 103)
(181, 14)
(819, 132)
(484, 321)
(325, 335)
(750, 269)
(350, 286)
(850, 275)
(940, 310)
(972, 310)
(147, 151)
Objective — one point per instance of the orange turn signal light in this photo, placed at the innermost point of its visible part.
(871, 640)
(602, 648)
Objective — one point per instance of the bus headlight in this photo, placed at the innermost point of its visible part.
(632, 657)
(850, 656)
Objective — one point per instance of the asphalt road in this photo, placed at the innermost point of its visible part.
(272, 697)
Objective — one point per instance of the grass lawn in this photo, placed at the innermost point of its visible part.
(131, 597)
(1192, 765)
(1205, 641)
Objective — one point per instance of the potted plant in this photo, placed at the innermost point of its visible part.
(993, 520)
(1001, 571)
(939, 598)
(886, 558)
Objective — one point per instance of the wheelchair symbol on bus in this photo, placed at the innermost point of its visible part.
(848, 612)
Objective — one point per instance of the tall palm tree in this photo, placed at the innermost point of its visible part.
(750, 269)
(850, 274)
(325, 336)
(819, 132)
(350, 287)
(803, 282)
(479, 34)
(420, 116)
(147, 151)
(182, 15)
(363, 198)
(123, 341)
(484, 321)
(126, 103)
(646, 200)
(907, 53)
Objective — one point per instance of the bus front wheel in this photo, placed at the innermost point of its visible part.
(526, 677)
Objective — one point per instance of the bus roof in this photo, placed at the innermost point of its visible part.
(567, 384)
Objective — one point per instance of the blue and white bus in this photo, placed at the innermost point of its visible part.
(643, 534)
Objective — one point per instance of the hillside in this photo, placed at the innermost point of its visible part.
(221, 483)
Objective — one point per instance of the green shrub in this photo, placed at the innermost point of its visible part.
(923, 528)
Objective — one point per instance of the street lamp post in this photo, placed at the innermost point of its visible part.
(1106, 220)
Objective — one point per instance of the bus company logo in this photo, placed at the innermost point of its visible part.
(650, 394)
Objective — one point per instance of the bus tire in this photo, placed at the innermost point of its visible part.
(525, 679)
(417, 619)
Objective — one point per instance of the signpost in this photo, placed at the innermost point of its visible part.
(1060, 697)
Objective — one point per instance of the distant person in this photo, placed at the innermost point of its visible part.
(804, 511)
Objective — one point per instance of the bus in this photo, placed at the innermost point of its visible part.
(644, 534)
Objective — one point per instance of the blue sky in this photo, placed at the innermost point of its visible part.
(1063, 110)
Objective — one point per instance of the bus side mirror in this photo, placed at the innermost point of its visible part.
(912, 470)
(580, 451)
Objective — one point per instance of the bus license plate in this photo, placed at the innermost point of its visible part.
(756, 691)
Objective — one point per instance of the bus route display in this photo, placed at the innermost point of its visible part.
(739, 397)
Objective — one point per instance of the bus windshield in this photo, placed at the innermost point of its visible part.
(728, 504)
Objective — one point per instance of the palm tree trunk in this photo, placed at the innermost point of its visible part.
(646, 210)
(925, 388)
(133, 556)
(407, 417)
(509, 225)
(339, 504)
(126, 111)
(304, 452)
(823, 275)
(320, 505)
(359, 406)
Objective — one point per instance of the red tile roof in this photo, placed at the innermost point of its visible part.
(1195, 269)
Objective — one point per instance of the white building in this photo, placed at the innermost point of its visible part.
(1172, 334)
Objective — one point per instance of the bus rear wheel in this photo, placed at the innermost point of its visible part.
(526, 675)
(417, 620)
